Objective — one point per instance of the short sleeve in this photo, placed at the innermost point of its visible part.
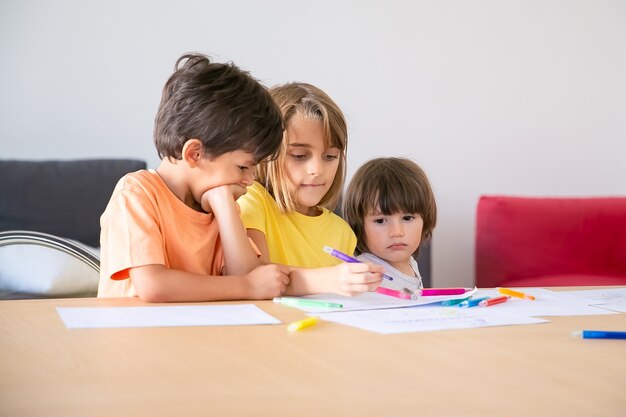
(130, 233)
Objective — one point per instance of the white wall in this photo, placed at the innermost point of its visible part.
(516, 97)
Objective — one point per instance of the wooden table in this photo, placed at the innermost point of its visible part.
(326, 370)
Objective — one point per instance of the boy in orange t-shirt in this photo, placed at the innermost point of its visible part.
(175, 234)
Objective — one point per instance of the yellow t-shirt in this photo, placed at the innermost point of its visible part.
(144, 224)
(293, 238)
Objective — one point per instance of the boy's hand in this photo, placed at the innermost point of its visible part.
(356, 278)
(215, 198)
(267, 281)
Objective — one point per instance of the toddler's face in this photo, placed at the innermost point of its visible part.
(309, 165)
(393, 237)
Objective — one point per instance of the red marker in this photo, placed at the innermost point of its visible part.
(494, 300)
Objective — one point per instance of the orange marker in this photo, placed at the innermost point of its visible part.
(513, 293)
(494, 300)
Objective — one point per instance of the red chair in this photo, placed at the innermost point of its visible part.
(543, 242)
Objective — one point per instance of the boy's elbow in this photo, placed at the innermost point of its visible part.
(152, 295)
(150, 292)
(149, 284)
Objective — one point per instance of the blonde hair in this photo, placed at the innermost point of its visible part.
(310, 103)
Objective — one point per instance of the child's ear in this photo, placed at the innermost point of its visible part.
(192, 152)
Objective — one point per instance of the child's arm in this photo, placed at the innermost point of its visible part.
(239, 257)
(345, 279)
(260, 241)
(158, 284)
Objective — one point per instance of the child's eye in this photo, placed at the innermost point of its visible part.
(379, 221)
(408, 217)
(242, 168)
(331, 157)
(298, 157)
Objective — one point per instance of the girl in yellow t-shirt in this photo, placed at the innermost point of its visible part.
(287, 211)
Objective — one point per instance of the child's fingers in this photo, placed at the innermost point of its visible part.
(375, 278)
(360, 268)
(365, 278)
(356, 289)
(284, 271)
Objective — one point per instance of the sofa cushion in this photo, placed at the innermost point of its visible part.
(62, 198)
(34, 264)
(526, 241)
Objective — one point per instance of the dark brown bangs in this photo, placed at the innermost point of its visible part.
(390, 197)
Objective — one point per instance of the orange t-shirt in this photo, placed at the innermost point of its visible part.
(145, 224)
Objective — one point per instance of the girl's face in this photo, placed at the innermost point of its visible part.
(309, 165)
(394, 238)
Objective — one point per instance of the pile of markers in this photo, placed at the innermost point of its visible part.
(487, 301)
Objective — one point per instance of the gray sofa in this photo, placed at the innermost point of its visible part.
(50, 213)
(50, 225)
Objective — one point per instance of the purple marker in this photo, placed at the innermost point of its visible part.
(347, 258)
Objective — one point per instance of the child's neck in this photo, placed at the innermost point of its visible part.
(310, 211)
(403, 266)
(170, 173)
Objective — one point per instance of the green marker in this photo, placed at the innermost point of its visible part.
(305, 302)
(453, 302)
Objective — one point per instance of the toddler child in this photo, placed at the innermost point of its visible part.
(390, 205)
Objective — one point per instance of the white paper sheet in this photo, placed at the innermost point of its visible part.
(547, 303)
(424, 319)
(163, 316)
(374, 301)
(610, 298)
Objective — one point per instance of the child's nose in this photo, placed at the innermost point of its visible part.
(396, 229)
(314, 167)
(248, 177)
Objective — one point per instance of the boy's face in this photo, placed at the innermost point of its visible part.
(234, 169)
(393, 238)
(309, 165)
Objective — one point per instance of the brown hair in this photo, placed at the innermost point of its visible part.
(312, 103)
(219, 104)
(389, 185)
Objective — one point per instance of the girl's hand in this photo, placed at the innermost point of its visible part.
(267, 281)
(356, 278)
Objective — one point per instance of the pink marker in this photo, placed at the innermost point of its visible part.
(394, 293)
(442, 291)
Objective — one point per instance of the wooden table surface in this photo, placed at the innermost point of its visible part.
(326, 370)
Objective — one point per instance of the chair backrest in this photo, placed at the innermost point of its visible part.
(61, 198)
(424, 259)
(526, 241)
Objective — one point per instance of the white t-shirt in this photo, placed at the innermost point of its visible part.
(400, 280)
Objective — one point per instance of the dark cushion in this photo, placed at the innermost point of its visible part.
(62, 198)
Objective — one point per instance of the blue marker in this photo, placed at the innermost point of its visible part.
(472, 303)
(600, 334)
